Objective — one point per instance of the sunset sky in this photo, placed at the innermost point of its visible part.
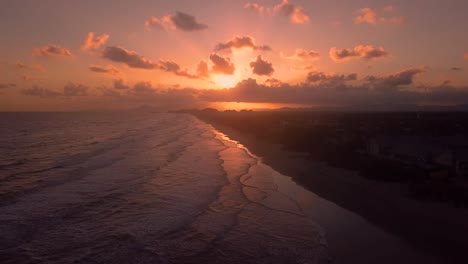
(116, 55)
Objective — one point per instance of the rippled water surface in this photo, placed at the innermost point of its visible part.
(142, 188)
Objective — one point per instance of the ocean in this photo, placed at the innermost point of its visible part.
(140, 188)
(163, 188)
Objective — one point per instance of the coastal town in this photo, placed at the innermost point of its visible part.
(426, 151)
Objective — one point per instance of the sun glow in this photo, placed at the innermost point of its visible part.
(225, 81)
(241, 59)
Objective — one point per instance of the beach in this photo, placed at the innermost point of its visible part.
(435, 230)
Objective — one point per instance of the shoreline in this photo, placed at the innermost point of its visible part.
(435, 229)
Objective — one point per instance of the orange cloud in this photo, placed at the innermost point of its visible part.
(370, 16)
(389, 9)
(52, 51)
(93, 43)
(295, 13)
(202, 69)
(222, 65)
(465, 56)
(180, 21)
(361, 51)
(261, 67)
(301, 54)
(255, 7)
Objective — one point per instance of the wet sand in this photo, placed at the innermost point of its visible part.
(366, 221)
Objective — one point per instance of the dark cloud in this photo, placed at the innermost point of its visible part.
(394, 81)
(315, 76)
(186, 22)
(131, 58)
(360, 51)
(363, 96)
(52, 51)
(261, 67)
(239, 42)
(93, 43)
(7, 85)
(41, 92)
(143, 88)
(109, 92)
(120, 85)
(180, 21)
(170, 66)
(75, 89)
(301, 54)
(222, 65)
(456, 69)
(104, 69)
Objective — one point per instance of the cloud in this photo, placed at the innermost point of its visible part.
(202, 69)
(255, 7)
(143, 88)
(20, 65)
(389, 9)
(40, 91)
(396, 80)
(52, 51)
(26, 77)
(361, 51)
(93, 43)
(370, 16)
(222, 65)
(239, 42)
(164, 23)
(465, 56)
(315, 76)
(108, 92)
(180, 21)
(261, 67)
(120, 85)
(400, 93)
(456, 69)
(7, 85)
(75, 89)
(295, 13)
(35, 67)
(170, 66)
(301, 54)
(104, 69)
(130, 58)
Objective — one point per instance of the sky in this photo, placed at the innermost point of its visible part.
(58, 55)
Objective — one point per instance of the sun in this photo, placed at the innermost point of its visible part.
(225, 81)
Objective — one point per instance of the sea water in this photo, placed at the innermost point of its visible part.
(142, 188)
